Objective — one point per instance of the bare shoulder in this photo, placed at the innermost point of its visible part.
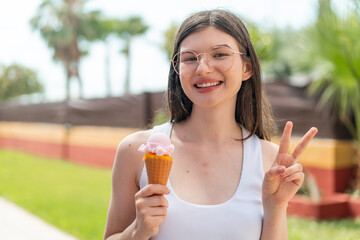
(134, 139)
(127, 154)
(131, 143)
(269, 151)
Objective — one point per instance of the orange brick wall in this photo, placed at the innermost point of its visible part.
(82, 144)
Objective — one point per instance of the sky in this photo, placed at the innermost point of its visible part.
(20, 44)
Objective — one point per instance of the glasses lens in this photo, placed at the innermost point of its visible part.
(185, 62)
(220, 58)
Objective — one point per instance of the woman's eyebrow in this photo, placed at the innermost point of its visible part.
(221, 45)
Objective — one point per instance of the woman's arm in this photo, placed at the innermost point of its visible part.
(281, 182)
(133, 214)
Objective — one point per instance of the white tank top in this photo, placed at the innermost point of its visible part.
(240, 217)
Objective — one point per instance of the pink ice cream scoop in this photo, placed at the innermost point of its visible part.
(159, 144)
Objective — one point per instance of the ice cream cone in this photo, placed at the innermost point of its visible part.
(157, 158)
(157, 168)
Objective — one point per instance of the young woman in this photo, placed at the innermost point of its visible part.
(227, 181)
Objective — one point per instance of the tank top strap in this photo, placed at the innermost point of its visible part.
(252, 171)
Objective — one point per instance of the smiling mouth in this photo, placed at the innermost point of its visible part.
(204, 85)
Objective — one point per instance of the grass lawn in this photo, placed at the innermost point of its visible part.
(75, 198)
(72, 197)
(301, 229)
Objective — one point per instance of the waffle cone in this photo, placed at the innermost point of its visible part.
(158, 169)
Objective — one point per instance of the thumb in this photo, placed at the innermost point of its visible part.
(274, 172)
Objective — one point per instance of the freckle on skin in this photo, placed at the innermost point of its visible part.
(130, 145)
(187, 171)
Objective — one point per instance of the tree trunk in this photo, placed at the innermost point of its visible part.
(128, 66)
(76, 73)
(107, 69)
(67, 85)
(81, 88)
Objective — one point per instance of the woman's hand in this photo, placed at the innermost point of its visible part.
(151, 210)
(285, 177)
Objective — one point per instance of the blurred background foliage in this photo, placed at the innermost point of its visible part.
(333, 46)
(333, 50)
(17, 80)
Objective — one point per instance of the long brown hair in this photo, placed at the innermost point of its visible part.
(252, 111)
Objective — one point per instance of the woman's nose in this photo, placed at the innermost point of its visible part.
(203, 64)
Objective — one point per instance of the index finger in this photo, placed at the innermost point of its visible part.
(285, 138)
(152, 189)
(300, 147)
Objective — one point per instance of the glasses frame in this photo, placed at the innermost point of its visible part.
(203, 53)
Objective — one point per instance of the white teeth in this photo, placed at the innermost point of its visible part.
(207, 84)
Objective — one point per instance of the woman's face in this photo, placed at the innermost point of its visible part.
(211, 80)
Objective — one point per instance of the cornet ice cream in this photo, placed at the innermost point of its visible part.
(157, 158)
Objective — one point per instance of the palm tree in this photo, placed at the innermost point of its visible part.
(334, 47)
(127, 30)
(63, 24)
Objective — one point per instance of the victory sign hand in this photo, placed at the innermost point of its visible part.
(285, 176)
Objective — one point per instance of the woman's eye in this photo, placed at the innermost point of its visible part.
(190, 59)
(219, 55)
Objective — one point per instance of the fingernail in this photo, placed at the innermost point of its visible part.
(280, 170)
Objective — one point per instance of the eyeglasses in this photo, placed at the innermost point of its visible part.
(219, 57)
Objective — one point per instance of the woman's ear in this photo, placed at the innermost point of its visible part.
(247, 70)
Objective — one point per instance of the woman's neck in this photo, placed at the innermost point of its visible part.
(211, 125)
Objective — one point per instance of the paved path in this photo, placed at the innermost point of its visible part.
(18, 224)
